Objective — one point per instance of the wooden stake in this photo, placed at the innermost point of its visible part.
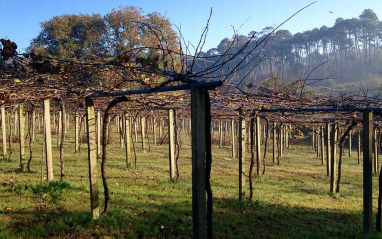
(367, 172)
(359, 146)
(171, 144)
(59, 126)
(350, 138)
(22, 136)
(155, 130)
(333, 147)
(233, 149)
(328, 151)
(99, 132)
(48, 140)
(322, 144)
(375, 151)
(76, 131)
(257, 138)
(92, 157)
(199, 207)
(220, 134)
(242, 143)
(143, 133)
(4, 131)
(127, 140)
(33, 129)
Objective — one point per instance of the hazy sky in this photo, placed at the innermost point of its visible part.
(19, 19)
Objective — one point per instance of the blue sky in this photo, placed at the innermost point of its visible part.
(19, 19)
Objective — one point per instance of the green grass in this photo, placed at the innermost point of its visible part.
(290, 201)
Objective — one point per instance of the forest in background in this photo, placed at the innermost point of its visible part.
(329, 60)
(346, 56)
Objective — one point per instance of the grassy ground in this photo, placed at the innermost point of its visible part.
(290, 200)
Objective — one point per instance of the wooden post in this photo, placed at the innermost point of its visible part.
(76, 129)
(4, 132)
(322, 145)
(367, 171)
(274, 142)
(171, 144)
(318, 142)
(59, 126)
(143, 133)
(199, 150)
(359, 146)
(136, 130)
(33, 129)
(242, 142)
(99, 131)
(328, 151)
(333, 147)
(16, 118)
(281, 128)
(258, 137)
(92, 157)
(155, 130)
(38, 122)
(160, 128)
(233, 149)
(350, 138)
(313, 141)
(54, 122)
(127, 140)
(220, 134)
(375, 151)
(22, 136)
(120, 130)
(48, 141)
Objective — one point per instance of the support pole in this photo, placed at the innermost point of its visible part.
(367, 171)
(98, 133)
(143, 133)
(92, 154)
(76, 131)
(155, 130)
(350, 139)
(258, 137)
(375, 151)
(4, 132)
(233, 150)
(333, 147)
(328, 151)
(48, 140)
(60, 129)
(22, 136)
(322, 145)
(220, 134)
(241, 155)
(171, 143)
(359, 146)
(127, 140)
(274, 142)
(33, 129)
(199, 152)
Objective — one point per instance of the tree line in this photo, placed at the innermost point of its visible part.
(337, 54)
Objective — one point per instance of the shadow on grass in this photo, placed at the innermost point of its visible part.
(148, 219)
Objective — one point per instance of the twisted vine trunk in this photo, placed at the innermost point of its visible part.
(342, 143)
(105, 133)
(30, 123)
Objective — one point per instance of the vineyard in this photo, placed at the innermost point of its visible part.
(139, 134)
